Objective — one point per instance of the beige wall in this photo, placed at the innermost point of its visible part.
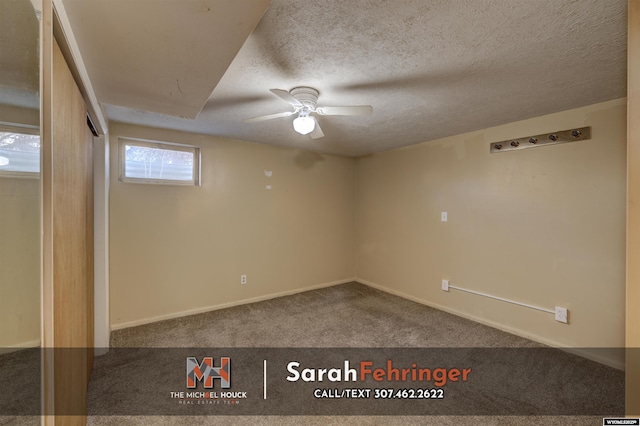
(544, 226)
(182, 249)
(19, 261)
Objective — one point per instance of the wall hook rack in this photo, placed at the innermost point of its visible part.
(564, 136)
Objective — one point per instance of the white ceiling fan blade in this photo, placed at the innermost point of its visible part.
(269, 117)
(286, 96)
(317, 132)
(345, 110)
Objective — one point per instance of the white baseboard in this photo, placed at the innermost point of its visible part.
(580, 352)
(204, 309)
(21, 345)
(99, 351)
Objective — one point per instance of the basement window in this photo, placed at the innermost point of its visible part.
(143, 161)
(19, 152)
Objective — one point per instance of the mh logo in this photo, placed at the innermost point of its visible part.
(207, 372)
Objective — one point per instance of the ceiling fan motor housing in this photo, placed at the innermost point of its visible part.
(308, 96)
(304, 100)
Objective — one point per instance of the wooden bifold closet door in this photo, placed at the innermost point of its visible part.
(72, 234)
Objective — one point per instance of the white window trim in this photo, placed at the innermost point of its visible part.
(26, 130)
(159, 145)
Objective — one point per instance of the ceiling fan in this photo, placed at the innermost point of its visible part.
(304, 102)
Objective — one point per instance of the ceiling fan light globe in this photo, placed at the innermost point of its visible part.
(304, 125)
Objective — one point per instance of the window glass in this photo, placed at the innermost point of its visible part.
(19, 153)
(158, 162)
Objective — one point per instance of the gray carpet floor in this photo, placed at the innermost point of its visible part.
(349, 315)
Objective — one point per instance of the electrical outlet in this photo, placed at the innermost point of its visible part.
(445, 285)
(243, 279)
(562, 314)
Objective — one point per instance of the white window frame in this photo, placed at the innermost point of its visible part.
(159, 145)
(25, 130)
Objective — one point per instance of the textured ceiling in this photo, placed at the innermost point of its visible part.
(19, 67)
(429, 68)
